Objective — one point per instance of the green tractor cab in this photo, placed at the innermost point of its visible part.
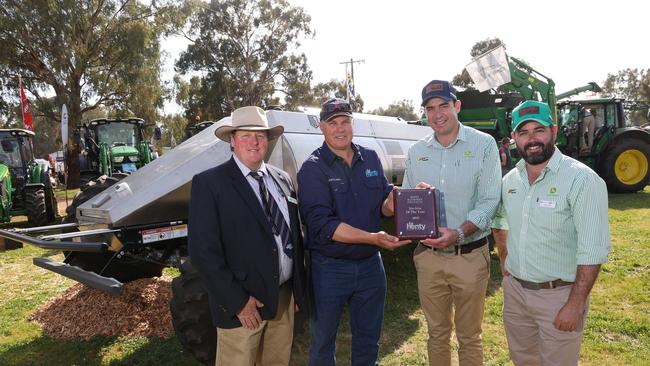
(112, 147)
(620, 153)
(25, 185)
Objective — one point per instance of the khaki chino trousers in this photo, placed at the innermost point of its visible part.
(268, 345)
(452, 291)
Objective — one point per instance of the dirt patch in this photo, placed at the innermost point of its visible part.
(61, 204)
(81, 313)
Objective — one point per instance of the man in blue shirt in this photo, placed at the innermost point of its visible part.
(343, 195)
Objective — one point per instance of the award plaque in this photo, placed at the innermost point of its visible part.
(415, 213)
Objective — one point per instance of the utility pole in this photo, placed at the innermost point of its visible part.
(350, 80)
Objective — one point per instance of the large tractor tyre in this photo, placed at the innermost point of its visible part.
(626, 166)
(35, 207)
(191, 315)
(51, 206)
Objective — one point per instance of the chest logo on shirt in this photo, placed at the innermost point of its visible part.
(371, 173)
(423, 158)
(468, 153)
(552, 191)
(511, 191)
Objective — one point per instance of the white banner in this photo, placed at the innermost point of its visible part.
(490, 70)
(64, 126)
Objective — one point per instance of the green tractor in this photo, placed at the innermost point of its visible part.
(113, 148)
(620, 153)
(26, 186)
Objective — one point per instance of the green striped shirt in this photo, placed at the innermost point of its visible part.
(555, 224)
(467, 173)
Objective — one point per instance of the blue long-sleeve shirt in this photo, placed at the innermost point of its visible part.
(332, 193)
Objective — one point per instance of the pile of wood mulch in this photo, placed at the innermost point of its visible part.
(81, 312)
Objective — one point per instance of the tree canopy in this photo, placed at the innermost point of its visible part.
(243, 51)
(631, 84)
(403, 109)
(87, 53)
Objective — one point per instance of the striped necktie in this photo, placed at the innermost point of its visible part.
(273, 214)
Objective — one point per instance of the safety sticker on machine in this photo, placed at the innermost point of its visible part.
(164, 233)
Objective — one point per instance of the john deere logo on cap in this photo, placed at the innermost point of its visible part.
(434, 87)
(528, 110)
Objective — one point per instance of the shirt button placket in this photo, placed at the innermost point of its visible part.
(524, 230)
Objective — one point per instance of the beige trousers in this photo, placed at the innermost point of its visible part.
(528, 316)
(446, 283)
(588, 127)
(268, 345)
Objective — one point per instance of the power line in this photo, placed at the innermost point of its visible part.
(350, 78)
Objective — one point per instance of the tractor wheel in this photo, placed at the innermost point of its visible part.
(35, 206)
(626, 166)
(191, 315)
(123, 269)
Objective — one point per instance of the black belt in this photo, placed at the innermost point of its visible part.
(462, 249)
(542, 285)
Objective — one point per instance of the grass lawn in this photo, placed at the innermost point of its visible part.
(617, 330)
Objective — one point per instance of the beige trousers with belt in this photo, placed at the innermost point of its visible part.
(453, 287)
(528, 317)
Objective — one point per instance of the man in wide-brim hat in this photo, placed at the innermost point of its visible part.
(245, 241)
(248, 119)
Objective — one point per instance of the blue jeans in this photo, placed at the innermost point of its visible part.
(359, 283)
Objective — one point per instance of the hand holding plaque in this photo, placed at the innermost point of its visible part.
(415, 213)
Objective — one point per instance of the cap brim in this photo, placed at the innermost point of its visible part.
(349, 114)
(449, 99)
(224, 132)
(540, 121)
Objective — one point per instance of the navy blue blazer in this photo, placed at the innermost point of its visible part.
(231, 243)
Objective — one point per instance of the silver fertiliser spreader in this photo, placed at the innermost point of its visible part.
(160, 191)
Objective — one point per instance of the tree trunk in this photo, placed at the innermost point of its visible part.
(72, 154)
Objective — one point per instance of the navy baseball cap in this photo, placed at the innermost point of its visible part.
(438, 89)
(335, 107)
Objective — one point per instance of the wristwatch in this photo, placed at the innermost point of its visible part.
(461, 236)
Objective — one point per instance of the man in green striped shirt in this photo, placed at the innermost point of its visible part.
(552, 234)
(453, 270)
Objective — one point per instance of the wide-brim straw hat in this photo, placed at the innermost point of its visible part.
(250, 119)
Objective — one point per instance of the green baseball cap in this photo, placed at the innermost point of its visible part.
(532, 110)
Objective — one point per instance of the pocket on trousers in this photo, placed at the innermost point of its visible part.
(485, 251)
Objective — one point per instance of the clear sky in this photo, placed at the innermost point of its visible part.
(407, 43)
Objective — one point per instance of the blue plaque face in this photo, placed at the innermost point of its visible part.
(415, 214)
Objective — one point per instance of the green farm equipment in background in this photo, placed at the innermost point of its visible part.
(113, 147)
(25, 185)
(620, 152)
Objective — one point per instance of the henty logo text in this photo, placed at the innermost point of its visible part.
(411, 226)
